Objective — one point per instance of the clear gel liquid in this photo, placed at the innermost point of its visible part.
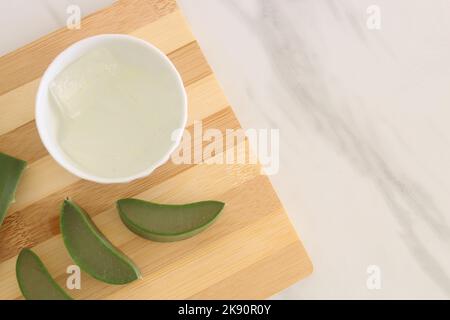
(115, 118)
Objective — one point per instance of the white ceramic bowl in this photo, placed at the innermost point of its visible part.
(139, 51)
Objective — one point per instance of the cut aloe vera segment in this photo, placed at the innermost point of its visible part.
(91, 251)
(162, 222)
(34, 281)
(10, 172)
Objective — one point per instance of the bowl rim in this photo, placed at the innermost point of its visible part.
(39, 104)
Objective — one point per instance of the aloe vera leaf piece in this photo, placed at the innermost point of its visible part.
(90, 249)
(164, 223)
(10, 172)
(34, 281)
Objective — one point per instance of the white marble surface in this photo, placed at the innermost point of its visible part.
(23, 21)
(363, 117)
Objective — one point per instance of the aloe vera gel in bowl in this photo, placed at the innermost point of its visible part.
(110, 107)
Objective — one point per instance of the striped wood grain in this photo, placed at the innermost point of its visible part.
(251, 252)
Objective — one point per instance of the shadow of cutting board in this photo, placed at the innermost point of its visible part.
(252, 251)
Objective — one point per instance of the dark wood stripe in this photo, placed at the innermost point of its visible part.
(39, 221)
(234, 218)
(190, 63)
(24, 142)
(250, 277)
(29, 62)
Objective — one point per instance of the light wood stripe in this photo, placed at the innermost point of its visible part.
(38, 221)
(32, 188)
(168, 34)
(251, 252)
(205, 99)
(202, 269)
(24, 142)
(241, 284)
(28, 63)
(17, 106)
(156, 259)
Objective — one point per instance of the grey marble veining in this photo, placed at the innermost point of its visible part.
(363, 118)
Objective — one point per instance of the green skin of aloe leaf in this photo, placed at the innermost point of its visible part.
(90, 249)
(34, 280)
(10, 172)
(164, 223)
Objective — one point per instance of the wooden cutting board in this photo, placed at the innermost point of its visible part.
(252, 251)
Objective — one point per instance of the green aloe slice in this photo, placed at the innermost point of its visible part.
(90, 250)
(10, 172)
(34, 281)
(162, 222)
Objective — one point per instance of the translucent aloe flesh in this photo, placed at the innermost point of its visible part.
(91, 251)
(10, 172)
(34, 280)
(161, 222)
